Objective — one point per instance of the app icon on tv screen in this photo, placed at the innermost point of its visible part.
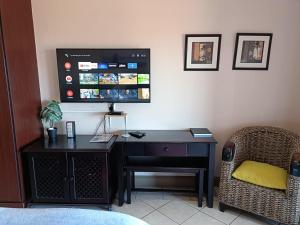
(88, 78)
(68, 66)
(87, 65)
(122, 65)
(108, 78)
(69, 79)
(127, 78)
(89, 93)
(143, 79)
(70, 94)
(143, 93)
(112, 65)
(132, 65)
(109, 94)
(102, 66)
(125, 94)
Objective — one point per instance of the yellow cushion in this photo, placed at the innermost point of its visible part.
(261, 174)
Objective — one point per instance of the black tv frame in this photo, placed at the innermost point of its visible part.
(62, 87)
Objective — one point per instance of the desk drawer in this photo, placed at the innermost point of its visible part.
(166, 149)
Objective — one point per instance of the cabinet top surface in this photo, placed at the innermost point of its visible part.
(80, 144)
(167, 136)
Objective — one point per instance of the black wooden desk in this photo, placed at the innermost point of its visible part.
(167, 144)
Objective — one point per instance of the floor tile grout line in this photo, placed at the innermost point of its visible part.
(171, 218)
(218, 219)
(168, 217)
(144, 200)
(159, 206)
(236, 218)
(188, 204)
(189, 217)
(148, 214)
(163, 215)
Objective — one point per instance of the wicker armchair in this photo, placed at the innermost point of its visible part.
(271, 145)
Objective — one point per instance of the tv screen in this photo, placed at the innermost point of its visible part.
(104, 75)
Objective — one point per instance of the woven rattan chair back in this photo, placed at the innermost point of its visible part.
(267, 144)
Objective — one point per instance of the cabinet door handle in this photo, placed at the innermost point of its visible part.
(166, 149)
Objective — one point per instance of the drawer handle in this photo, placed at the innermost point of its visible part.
(166, 149)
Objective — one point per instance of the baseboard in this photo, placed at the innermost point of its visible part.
(13, 204)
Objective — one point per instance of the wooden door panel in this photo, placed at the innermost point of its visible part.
(20, 54)
(9, 184)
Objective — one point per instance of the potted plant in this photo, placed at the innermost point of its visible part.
(51, 114)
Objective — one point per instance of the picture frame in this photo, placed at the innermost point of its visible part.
(202, 52)
(252, 51)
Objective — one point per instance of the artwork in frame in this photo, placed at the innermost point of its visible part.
(252, 51)
(202, 52)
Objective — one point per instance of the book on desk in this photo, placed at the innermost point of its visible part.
(200, 132)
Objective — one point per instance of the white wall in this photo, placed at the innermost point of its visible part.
(222, 101)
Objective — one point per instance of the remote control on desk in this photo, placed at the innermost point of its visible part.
(137, 134)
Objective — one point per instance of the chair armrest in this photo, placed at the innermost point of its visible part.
(228, 151)
(293, 188)
(295, 165)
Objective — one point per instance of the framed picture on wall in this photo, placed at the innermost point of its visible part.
(202, 52)
(252, 51)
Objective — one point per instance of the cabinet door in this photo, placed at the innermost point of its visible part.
(48, 174)
(88, 177)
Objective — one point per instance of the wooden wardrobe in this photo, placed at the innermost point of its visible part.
(19, 96)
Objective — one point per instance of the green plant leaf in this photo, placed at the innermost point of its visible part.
(51, 113)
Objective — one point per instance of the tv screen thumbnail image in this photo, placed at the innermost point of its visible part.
(89, 93)
(143, 78)
(128, 94)
(127, 78)
(88, 78)
(144, 93)
(109, 94)
(108, 78)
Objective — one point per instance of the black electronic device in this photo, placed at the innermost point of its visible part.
(70, 129)
(104, 75)
(137, 134)
(112, 111)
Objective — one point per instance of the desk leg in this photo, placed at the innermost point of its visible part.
(211, 176)
(120, 187)
(133, 180)
(121, 177)
(128, 178)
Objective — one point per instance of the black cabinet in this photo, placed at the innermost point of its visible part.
(71, 174)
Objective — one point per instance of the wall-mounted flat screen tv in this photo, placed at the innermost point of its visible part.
(104, 75)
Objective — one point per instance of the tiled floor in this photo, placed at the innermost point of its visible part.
(172, 208)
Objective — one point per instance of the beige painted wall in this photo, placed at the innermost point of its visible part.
(222, 101)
